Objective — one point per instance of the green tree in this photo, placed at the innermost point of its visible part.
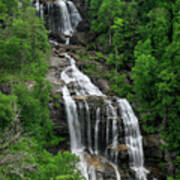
(7, 109)
(27, 38)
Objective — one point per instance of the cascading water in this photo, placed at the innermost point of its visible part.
(100, 129)
(97, 130)
(133, 139)
(73, 122)
(39, 8)
(82, 87)
(74, 15)
(65, 27)
(62, 17)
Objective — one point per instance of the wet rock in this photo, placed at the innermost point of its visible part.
(56, 82)
(102, 166)
(75, 56)
(83, 26)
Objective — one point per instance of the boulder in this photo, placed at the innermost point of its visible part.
(103, 85)
(79, 38)
(57, 62)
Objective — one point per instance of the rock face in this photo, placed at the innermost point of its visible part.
(103, 169)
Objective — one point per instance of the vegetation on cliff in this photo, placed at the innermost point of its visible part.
(25, 127)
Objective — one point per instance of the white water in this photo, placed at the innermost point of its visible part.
(83, 87)
(74, 15)
(97, 130)
(113, 115)
(62, 17)
(73, 121)
(89, 138)
(65, 27)
(67, 41)
(133, 139)
(80, 80)
(39, 8)
(118, 176)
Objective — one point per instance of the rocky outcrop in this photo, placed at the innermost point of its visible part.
(101, 165)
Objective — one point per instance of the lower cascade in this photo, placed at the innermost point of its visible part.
(100, 127)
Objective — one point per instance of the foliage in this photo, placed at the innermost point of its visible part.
(25, 125)
(22, 158)
(15, 158)
(27, 43)
(141, 39)
(7, 109)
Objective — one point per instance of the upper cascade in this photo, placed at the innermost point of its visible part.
(61, 16)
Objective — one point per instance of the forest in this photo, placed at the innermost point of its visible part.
(25, 126)
(138, 41)
(142, 37)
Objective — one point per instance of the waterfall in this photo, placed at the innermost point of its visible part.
(82, 88)
(62, 17)
(95, 120)
(111, 113)
(39, 8)
(65, 27)
(97, 130)
(84, 85)
(133, 139)
(74, 15)
(73, 121)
